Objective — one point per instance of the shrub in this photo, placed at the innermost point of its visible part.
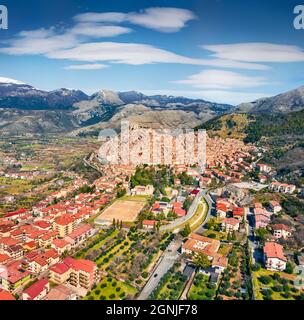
(276, 276)
(289, 268)
(285, 295)
(256, 267)
(265, 279)
(283, 281)
(277, 288)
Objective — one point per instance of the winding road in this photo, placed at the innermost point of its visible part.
(191, 212)
(171, 255)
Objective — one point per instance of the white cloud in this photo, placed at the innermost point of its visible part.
(39, 41)
(257, 52)
(158, 18)
(74, 44)
(43, 41)
(112, 17)
(128, 53)
(92, 66)
(162, 19)
(138, 54)
(220, 79)
(95, 30)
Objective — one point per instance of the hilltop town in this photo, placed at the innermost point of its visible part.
(110, 232)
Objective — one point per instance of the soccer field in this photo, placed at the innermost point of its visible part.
(125, 210)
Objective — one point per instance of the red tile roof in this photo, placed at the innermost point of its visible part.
(231, 221)
(52, 253)
(195, 192)
(80, 231)
(64, 220)
(6, 296)
(34, 290)
(81, 264)
(238, 211)
(149, 222)
(41, 261)
(274, 250)
(9, 241)
(179, 211)
(281, 227)
(4, 258)
(15, 213)
(42, 224)
(59, 243)
(15, 272)
(60, 268)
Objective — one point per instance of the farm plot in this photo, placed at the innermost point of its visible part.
(123, 210)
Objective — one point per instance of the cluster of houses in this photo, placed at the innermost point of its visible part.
(36, 243)
(33, 243)
(230, 215)
(173, 209)
(197, 244)
(25, 175)
(282, 187)
(274, 258)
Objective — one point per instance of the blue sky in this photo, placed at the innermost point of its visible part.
(221, 50)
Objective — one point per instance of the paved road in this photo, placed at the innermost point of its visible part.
(209, 201)
(165, 262)
(189, 215)
(256, 253)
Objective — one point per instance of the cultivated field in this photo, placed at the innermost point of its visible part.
(125, 210)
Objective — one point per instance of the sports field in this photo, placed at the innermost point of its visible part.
(126, 210)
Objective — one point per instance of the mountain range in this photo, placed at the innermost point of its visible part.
(291, 101)
(25, 109)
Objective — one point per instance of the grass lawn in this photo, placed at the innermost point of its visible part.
(14, 186)
(275, 295)
(199, 216)
(219, 235)
(225, 249)
(201, 289)
(117, 252)
(111, 289)
(170, 286)
(102, 242)
(134, 198)
(197, 219)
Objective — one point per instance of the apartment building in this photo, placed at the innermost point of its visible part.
(64, 225)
